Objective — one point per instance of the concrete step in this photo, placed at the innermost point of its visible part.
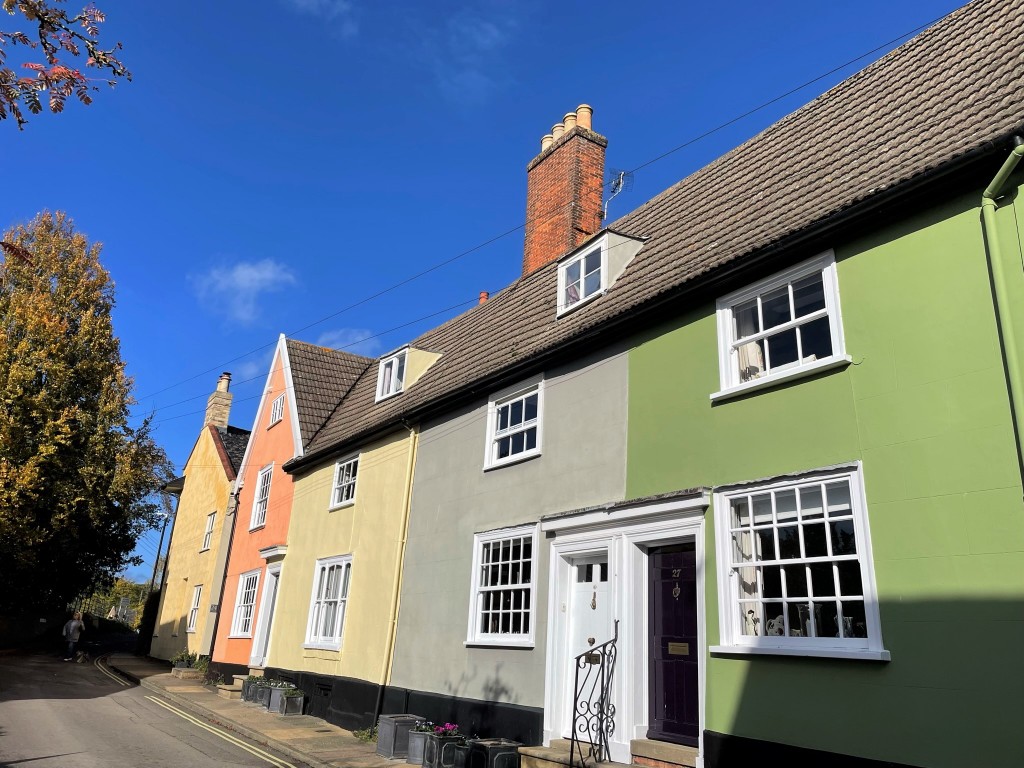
(663, 752)
(256, 671)
(229, 691)
(239, 678)
(557, 754)
(187, 673)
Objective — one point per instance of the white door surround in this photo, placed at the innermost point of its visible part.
(623, 534)
(265, 617)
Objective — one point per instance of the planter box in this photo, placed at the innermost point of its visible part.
(417, 745)
(291, 705)
(248, 690)
(393, 734)
(438, 751)
(493, 753)
(274, 698)
(460, 758)
(187, 673)
(261, 695)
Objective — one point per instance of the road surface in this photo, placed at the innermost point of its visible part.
(76, 715)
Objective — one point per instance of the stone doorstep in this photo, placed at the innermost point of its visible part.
(229, 691)
(187, 673)
(662, 754)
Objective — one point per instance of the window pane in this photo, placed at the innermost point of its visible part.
(750, 622)
(775, 307)
(740, 513)
(518, 442)
(766, 539)
(747, 581)
(750, 360)
(799, 620)
(531, 438)
(503, 418)
(762, 508)
(822, 580)
(796, 581)
(810, 503)
(789, 542)
(742, 547)
(516, 413)
(826, 617)
(814, 540)
(808, 295)
(771, 576)
(854, 622)
(782, 349)
(785, 506)
(774, 621)
(838, 499)
(843, 539)
(504, 447)
(400, 376)
(530, 407)
(815, 340)
(850, 584)
(572, 273)
(593, 261)
(592, 283)
(745, 319)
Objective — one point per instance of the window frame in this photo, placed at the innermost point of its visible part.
(335, 504)
(276, 410)
(729, 379)
(257, 521)
(211, 521)
(733, 641)
(476, 637)
(193, 611)
(399, 388)
(497, 401)
(344, 589)
(236, 618)
(562, 307)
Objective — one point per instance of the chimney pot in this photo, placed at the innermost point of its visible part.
(545, 142)
(585, 116)
(218, 405)
(569, 121)
(484, 296)
(224, 382)
(557, 131)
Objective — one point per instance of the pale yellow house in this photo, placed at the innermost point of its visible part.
(191, 592)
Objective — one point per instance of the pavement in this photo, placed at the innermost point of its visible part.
(307, 739)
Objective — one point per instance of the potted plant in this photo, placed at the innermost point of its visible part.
(262, 687)
(290, 702)
(393, 734)
(493, 753)
(438, 752)
(418, 740)
(249, 687)
(184, 659)
(276, 689)
(460, 754)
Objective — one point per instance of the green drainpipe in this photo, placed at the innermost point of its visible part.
(989, 206)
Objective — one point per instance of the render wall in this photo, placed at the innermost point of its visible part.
(206, 490)
(268, 444)
(453, 498)
(370, 530)
(924, 405)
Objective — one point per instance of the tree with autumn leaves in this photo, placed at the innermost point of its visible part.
(78, 483)
(53, 34)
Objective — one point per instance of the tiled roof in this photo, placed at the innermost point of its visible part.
(235, 440)
(321, 378)
(953, 90)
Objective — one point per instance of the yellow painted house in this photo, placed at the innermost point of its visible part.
(337, 613)
(197, 552)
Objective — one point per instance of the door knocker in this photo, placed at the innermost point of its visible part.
(593, 601)
(675, 591)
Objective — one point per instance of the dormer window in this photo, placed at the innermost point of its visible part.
(391, 375)
(582, 277)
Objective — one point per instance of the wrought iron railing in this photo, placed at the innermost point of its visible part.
(593, 713)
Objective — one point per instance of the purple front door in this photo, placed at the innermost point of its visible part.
(674, 698)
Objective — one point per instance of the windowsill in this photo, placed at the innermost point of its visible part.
(382, 398)
(240, 637)
(821, 653)
(526, 643)
(204, 549)
(350, 503)
(190, 631)
(518, 459)
(819, 366)
(316, 647)
(259, 527)
(274, 424)
(562, 312)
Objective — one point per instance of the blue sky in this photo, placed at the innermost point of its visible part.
(268, 172)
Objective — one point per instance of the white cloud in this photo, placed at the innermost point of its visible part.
(235, 291)
(466, 52)
(358, 341)
(339, 14)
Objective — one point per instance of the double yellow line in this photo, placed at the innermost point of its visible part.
(265, 756)
(99, 664)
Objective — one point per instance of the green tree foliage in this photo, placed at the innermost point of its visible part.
(78, 483)
(53, 33)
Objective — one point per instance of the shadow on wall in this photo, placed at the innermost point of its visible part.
(950, 696)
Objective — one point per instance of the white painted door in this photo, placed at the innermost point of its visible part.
(590, 624)
(261, 642)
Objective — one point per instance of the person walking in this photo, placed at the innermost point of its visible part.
(72, 631)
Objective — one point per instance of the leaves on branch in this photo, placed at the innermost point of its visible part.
(56, 33)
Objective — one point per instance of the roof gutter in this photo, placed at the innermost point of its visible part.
(1001, 293)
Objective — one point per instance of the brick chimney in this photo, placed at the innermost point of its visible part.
(218, 406)
(564, 184)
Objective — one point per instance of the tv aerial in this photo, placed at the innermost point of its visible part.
(616, 181)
